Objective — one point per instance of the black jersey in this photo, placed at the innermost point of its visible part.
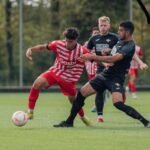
(120, 68)
(100, 42)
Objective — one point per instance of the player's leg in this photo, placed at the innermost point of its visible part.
(88, 89)
(84, 92)
(132, 82)
(44, 80)
(72, 99)
(99, 103)
(34, 93)
(69, 89)
(93, 109)
(130, 111)
(83, 117)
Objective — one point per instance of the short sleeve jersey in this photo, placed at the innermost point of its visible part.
(100, 42)
(67, 64)
(120, 68)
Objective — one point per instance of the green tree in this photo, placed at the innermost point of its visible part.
(44, 21)
(142, 38)
(84, 14)
(3, 53)
(9, 42)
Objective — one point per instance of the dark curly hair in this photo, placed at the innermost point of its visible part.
(71, 33)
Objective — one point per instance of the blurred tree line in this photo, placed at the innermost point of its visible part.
(45, 20)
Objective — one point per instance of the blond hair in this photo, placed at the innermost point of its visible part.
(104, 18)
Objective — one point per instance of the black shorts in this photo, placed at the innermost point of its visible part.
(100, 68)
(101, 83)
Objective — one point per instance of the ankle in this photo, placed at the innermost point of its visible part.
(31, 111)
(100, 116)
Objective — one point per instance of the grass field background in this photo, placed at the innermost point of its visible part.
(118, 132)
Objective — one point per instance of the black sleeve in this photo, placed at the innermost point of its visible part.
(114, 38)
(127, 50)
(117, 39)
(90, 44)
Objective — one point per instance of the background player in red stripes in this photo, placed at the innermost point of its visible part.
(91, 67)
(65, 72)
(133, 72)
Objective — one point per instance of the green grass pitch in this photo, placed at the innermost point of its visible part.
(118, 132)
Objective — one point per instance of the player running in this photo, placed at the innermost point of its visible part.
(65, 72)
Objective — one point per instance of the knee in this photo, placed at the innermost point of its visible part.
(40, 83)
(87, 90)
(83, 92)
(71, 99)
(36, 85)
(127, 109)
(119, 105)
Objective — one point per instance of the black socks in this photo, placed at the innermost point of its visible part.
(130, 112)
(99, 102)
(77, 105)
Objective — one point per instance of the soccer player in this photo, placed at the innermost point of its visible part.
(103, 40)
(91, 67)
(111, 78)
(133, 72)
(65, 72)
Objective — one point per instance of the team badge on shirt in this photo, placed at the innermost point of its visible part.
(117, 86)
(108, 40)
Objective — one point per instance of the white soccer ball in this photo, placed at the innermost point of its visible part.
(19, 118)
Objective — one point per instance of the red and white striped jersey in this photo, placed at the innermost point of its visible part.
(67, 65)
(139, 52)
(91, 68)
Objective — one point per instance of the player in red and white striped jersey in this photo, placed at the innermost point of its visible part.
(67, 65)
(133, 72)
(91, 67)
(65, 72)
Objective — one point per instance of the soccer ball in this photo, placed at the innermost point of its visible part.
(19, 118)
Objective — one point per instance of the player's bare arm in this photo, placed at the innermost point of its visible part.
(37, 48)
(107, 59)
(142, 65)
(106, 52)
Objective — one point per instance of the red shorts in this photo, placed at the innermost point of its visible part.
(67, 88)
(133, 72)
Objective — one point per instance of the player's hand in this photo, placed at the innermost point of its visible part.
(86, 57)
(29, 53)
(143, 66)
